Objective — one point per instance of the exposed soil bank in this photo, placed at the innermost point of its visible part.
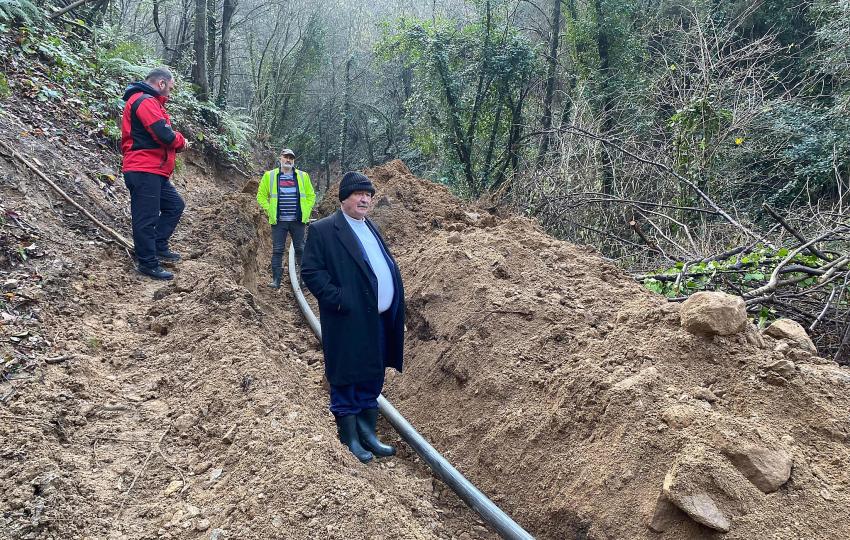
(193, 409)
(569, 392)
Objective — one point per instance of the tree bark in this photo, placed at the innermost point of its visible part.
(603, 48)
(199, 62)
(346, 113)
(211, 45)
(551, 76)
(228, 10)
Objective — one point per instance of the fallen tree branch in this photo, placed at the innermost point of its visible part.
(772, 284)
(823, 311)
(118, 238)
(66, 9)
(811, 249)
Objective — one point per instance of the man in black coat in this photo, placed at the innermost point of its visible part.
(349, 269)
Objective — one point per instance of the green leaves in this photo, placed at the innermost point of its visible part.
(737, 274)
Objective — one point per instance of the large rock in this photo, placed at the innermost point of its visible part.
(699, 505)
(792, 331)
(665, 515)
(704, 484)
(714, 313)
(767, 469)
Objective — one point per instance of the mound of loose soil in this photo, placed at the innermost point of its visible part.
(573, 396)
(131, 408)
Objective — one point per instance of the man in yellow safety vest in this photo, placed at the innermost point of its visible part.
(287, 196)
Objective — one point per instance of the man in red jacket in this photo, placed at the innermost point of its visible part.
(149, 146)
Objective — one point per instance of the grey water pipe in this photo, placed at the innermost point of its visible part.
(471, 495)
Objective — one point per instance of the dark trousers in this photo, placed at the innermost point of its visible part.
(279, 231)
(349, 399)
(156, 208)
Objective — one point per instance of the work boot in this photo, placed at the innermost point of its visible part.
(168, 256)
(277, 274)
(367, 421)
(157, 272)
(346, 427)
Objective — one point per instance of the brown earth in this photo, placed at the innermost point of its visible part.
(567, 391)
(131, 408)
(135, 409)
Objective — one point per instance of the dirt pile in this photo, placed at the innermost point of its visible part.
(131, 408)
(576, 399)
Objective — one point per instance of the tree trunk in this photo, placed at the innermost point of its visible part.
(460, 143)
(228, 11)
(603, 46)
(346, 113)
(199, 62)
(211, 44)
(551, 75)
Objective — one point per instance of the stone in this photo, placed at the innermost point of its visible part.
(713, 313)
(767, 469)
(184, 422)
(202, 524)
(700, 392)
(701, 483)
(173, 487)
(454, 238)
(230, 436)
(784, 368)
(792, 331)
(698, 506)
(680, 416)
(665, 515)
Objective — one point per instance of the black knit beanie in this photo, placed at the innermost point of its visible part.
(354, 181)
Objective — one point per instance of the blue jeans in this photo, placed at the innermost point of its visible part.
(156, 208)
(279, 230)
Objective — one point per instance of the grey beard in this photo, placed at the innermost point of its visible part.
(286, 167)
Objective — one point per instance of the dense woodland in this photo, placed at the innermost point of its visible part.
(701, 144)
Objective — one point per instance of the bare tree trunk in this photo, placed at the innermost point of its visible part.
(199, 62)
(211, 44)
(346, 113)
(370, 145)
(228, 10)
(603, 47)
(551, 76)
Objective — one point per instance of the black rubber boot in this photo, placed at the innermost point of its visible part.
(367, 421)
(347, 429)
(277, 274)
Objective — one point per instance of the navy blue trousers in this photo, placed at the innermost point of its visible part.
(279, 231)
(156, 208)
(349, 399)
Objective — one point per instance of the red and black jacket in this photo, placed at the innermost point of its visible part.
(147, 140)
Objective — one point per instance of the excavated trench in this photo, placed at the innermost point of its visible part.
(564, 391)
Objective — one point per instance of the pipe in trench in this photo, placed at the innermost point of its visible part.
(471, 495)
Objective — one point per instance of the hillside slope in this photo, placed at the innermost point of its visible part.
(569, 392)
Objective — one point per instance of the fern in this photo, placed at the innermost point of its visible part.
(237, 128)
(122, 69)
(21, 11)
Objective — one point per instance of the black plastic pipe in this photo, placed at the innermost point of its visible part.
(471, 495)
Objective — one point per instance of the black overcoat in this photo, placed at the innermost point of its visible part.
(337, 272)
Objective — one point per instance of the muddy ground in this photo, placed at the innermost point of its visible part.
(194, 409)
(131, 408)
